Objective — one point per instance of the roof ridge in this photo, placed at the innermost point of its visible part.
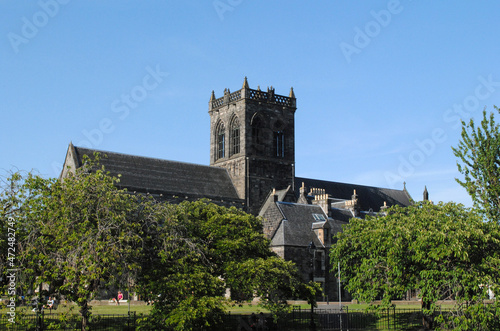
(345, 183)
(150, 174)
(146, 157)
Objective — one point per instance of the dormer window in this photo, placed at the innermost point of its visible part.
(319, 217)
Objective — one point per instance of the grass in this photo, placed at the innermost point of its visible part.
(124, 308)
(247, 309)
(97, 310)
(402, 320)
(237, 309)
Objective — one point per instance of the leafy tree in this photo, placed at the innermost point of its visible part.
(479, 152)
(195, 251)
(82, 234)
(444, 251)
(273, 280)
(11, 197)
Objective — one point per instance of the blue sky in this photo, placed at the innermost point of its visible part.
(381, 85)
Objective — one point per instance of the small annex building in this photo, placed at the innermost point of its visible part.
(252, 167)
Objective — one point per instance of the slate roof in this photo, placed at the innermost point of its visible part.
(295, 229)
(343, 215)
(368, 196)
(270, 200)
(156, 176)
(337, 225)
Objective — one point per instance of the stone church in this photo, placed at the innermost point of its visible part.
(252, 167)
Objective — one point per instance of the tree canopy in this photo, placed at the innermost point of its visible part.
(199, 251)
(443, 251)
(11, 200)
(478, 152)
(81, 234)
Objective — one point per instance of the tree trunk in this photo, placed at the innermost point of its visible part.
(427, 320)
(84, 311)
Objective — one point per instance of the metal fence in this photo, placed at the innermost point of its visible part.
(297, 320)
(386, 319)
(330, 320)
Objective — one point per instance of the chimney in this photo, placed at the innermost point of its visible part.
(384, 207)
(353, 205)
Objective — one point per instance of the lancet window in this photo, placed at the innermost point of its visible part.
(220, 141)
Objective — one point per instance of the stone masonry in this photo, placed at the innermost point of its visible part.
(252, 136)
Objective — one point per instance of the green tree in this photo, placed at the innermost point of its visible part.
(12, 231)
(443, 251)
(273, 280)
(195, 251)
(83, 234)
(479, 153)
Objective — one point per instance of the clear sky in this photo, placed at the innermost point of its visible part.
(381, 85)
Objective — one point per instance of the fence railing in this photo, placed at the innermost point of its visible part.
(330, 320)
(298, 319)
(386, 319)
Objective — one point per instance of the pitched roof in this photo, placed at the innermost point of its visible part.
(296, 227)
(369, 196)
(156, 176)
(281, 194)
(337, 225)
(343, 215)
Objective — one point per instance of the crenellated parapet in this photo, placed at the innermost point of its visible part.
(247, 93)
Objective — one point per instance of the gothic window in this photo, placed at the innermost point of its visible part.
(279, 144)
(257, 131)
(235, 136)
(258, 140)
(220, 141)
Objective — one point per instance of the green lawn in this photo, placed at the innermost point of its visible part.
(124, 308)
(247, 309)
(374, 321)
(98, 310)
(243, 309)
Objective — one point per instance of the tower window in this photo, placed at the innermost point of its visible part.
(235, 136)
(257, 131)
(279, 144)
(220, 143)
(257, 136)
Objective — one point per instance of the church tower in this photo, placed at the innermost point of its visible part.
(252, 135)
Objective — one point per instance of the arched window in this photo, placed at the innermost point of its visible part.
(279, 143)
(257, 131)
(220, 141)
(235, 136)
